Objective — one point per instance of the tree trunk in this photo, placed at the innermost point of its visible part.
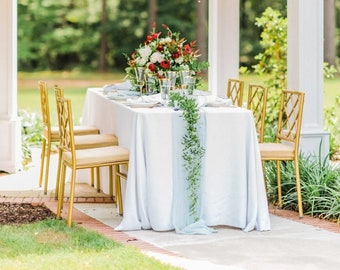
(201, 30)
(330, 32)
(152, 13)
(103, 39)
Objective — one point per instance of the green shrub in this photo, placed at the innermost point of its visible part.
(320, 186)
(31, 130)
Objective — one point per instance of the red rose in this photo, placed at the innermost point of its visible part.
(152, 67)
(165, 64)
(187, 49)
(160, 48)
(175, 55)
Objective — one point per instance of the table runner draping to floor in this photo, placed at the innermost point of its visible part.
(232, 185)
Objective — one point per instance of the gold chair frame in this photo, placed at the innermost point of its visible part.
(257, 103)
(84, 142)
(286, 146)
(51, 135)
(111, 156)
(235, 91)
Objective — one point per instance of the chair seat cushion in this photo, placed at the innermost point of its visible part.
(276, 151)
(98, 156)
(93, 141)
(78, 130)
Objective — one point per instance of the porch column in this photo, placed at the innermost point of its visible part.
(224, 25)
(305, 70)
(10, 126)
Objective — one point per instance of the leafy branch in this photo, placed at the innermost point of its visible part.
(193, 151)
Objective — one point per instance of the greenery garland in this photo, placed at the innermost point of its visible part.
(193, 151)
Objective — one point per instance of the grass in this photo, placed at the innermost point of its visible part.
(51, 244)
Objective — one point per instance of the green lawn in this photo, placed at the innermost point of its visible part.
(51, 244)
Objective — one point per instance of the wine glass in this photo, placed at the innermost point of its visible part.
(150, 81)
(165, 85)
(139, 71)
(171, 75)
(182, 75)
(190, 83)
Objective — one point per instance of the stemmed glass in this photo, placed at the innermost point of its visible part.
(150, 81)
(165, 85)
(139, 71)
(190, 82)
(182, 75)
(171, 75)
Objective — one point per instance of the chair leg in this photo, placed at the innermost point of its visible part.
(70, 203)
(61, 189)
(278, 177)
(58, 174)
(92, 177)
(98, 178)
(264, 175)
(111, 180)
(119, 199)
(298, 188)
(42, 162)
(48, 157)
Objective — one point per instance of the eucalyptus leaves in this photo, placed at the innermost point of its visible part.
(193, 151)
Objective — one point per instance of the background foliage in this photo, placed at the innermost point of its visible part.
(66, 34)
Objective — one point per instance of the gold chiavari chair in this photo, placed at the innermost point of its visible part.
(235, 91)
(257, 103)
(286, 146)
(110, 156)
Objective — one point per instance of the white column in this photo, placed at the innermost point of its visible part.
(223, 43)
(305, 70)
(10, 126)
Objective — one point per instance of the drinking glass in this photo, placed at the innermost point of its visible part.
(182, 75)
(190, 82)
(139, 71)
(171, 75)
(165, 85)
(150, 81)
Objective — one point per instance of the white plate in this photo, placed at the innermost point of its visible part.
(142, 104)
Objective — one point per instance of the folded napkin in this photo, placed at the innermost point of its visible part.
(218, 102)
(146, 99)
(126, 85)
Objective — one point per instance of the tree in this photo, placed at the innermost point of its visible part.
(103, 38)
(330, 32)
(201, 29)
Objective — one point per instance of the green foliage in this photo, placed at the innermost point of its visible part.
(331, 121)
(320, 187)
(193, 151)
(273, 60)
(31, 130)
(250, 34)
(51, 244)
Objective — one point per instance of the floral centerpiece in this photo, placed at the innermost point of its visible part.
(159, 54)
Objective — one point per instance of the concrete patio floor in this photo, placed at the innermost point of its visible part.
(291, 243)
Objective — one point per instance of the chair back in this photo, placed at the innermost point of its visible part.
(290, 117)
(58, 93)
(45, 108)
(257, 103)
(235, 91)
(65, 125)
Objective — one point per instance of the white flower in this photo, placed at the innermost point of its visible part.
(156, 57)
(179, 60)
(141, 61)
(145, 52)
